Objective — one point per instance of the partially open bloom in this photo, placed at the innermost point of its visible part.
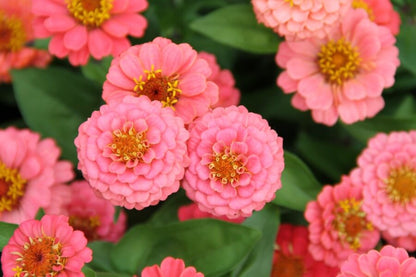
(16, 32)
(171, 267)
(164, 71)
(299, 19)
(133, 152)
(338, 226)
(192, 211)
(29, 168)
(389, 262)
(49, 247)
(236, 162)
(80, 28)
(342, 75)
(291, 256)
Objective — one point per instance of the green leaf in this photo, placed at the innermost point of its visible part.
(236, 26)
(97, 70)
(212, 246)
(407, 44)
(54, 102)
(6, 232)
(299, 185)
(101, 255)
(89, 272)
(40, 214)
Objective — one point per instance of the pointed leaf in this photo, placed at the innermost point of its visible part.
(6, 232)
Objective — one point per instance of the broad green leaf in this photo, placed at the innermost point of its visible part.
(89, 272)
(407, 44)
(236, 26)
(168, 212)
(97, 70)
(54, 102)
(212, 246)
(101, 256)
(6, 232)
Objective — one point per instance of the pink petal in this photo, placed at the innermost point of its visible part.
(99, 43)
(59, 23)
(76, 38)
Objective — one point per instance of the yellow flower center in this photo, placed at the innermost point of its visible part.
(128, 144)
(226, 167)
(40, 257)
(158, 87)
(12, 33)
(338, 61)
(12, 188)
(361, 4)
(288, 266)
(87, 224)
(401, 185)
(91, 13)
(290, 2)
(350, 221)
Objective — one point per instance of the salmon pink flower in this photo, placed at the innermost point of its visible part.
(388, 262)
(192, 211)
(133, 152)
(164, 71)
(338, 226)
(171, 267)
(236, 162)
(342, 75)
(80, 28)
(49, 247)
(406, 242)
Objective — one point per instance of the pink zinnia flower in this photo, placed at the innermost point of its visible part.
(299, 19)
(29, 169)
(192, 211)
(291, 256)
(164, 71)
(171, 267)
(381, 12)
(223, 78)
(406, 242)
(236, 162)
(389, 262)
(338, 226)
(16, 31)
(133, 152)
(49, 247)
(342, 75)
(80, 28)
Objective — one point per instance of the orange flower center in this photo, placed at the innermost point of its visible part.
(350, 221)
(226, 167)
(128, 144)
(12, 188)
(401, 185)
(40, 257)
(288, 266)
(91, 13)
(87, 224)
(338, 61)
(12, 33)
(158, 87)
(361, 4)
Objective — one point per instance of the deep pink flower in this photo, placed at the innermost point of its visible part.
(299, 19)
(164, 71)
(171, 267)
(133, 152)
(192, 211)
(29, 169)
(338, 226)
(236, 162)
(80, 28)
(342, 75)
(49, 247)
(389, 262)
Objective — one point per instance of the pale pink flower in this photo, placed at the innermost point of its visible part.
(80, 28)
(191, 211)
(171, 267)
(406, 242)
(338, 226)
(29, 169)
(164, 71)
(16, 32)
(236, 162)
(49, 247)
(133, 152)
(300, 19)
(228, 94)
(291, 257)
(381, 12)
(342, 75)
(388, 262)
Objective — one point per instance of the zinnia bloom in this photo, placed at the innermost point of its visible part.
(389, 262)
(338, 226)
(192, 211)
(171, 267)
(80, 28)
(16, 31)
(291, 256)
(342, 75)
(133, 152)
(49, 247)
(29, 169)
(164, 71)
(406, 242)
(299, 19)
(236, 162)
